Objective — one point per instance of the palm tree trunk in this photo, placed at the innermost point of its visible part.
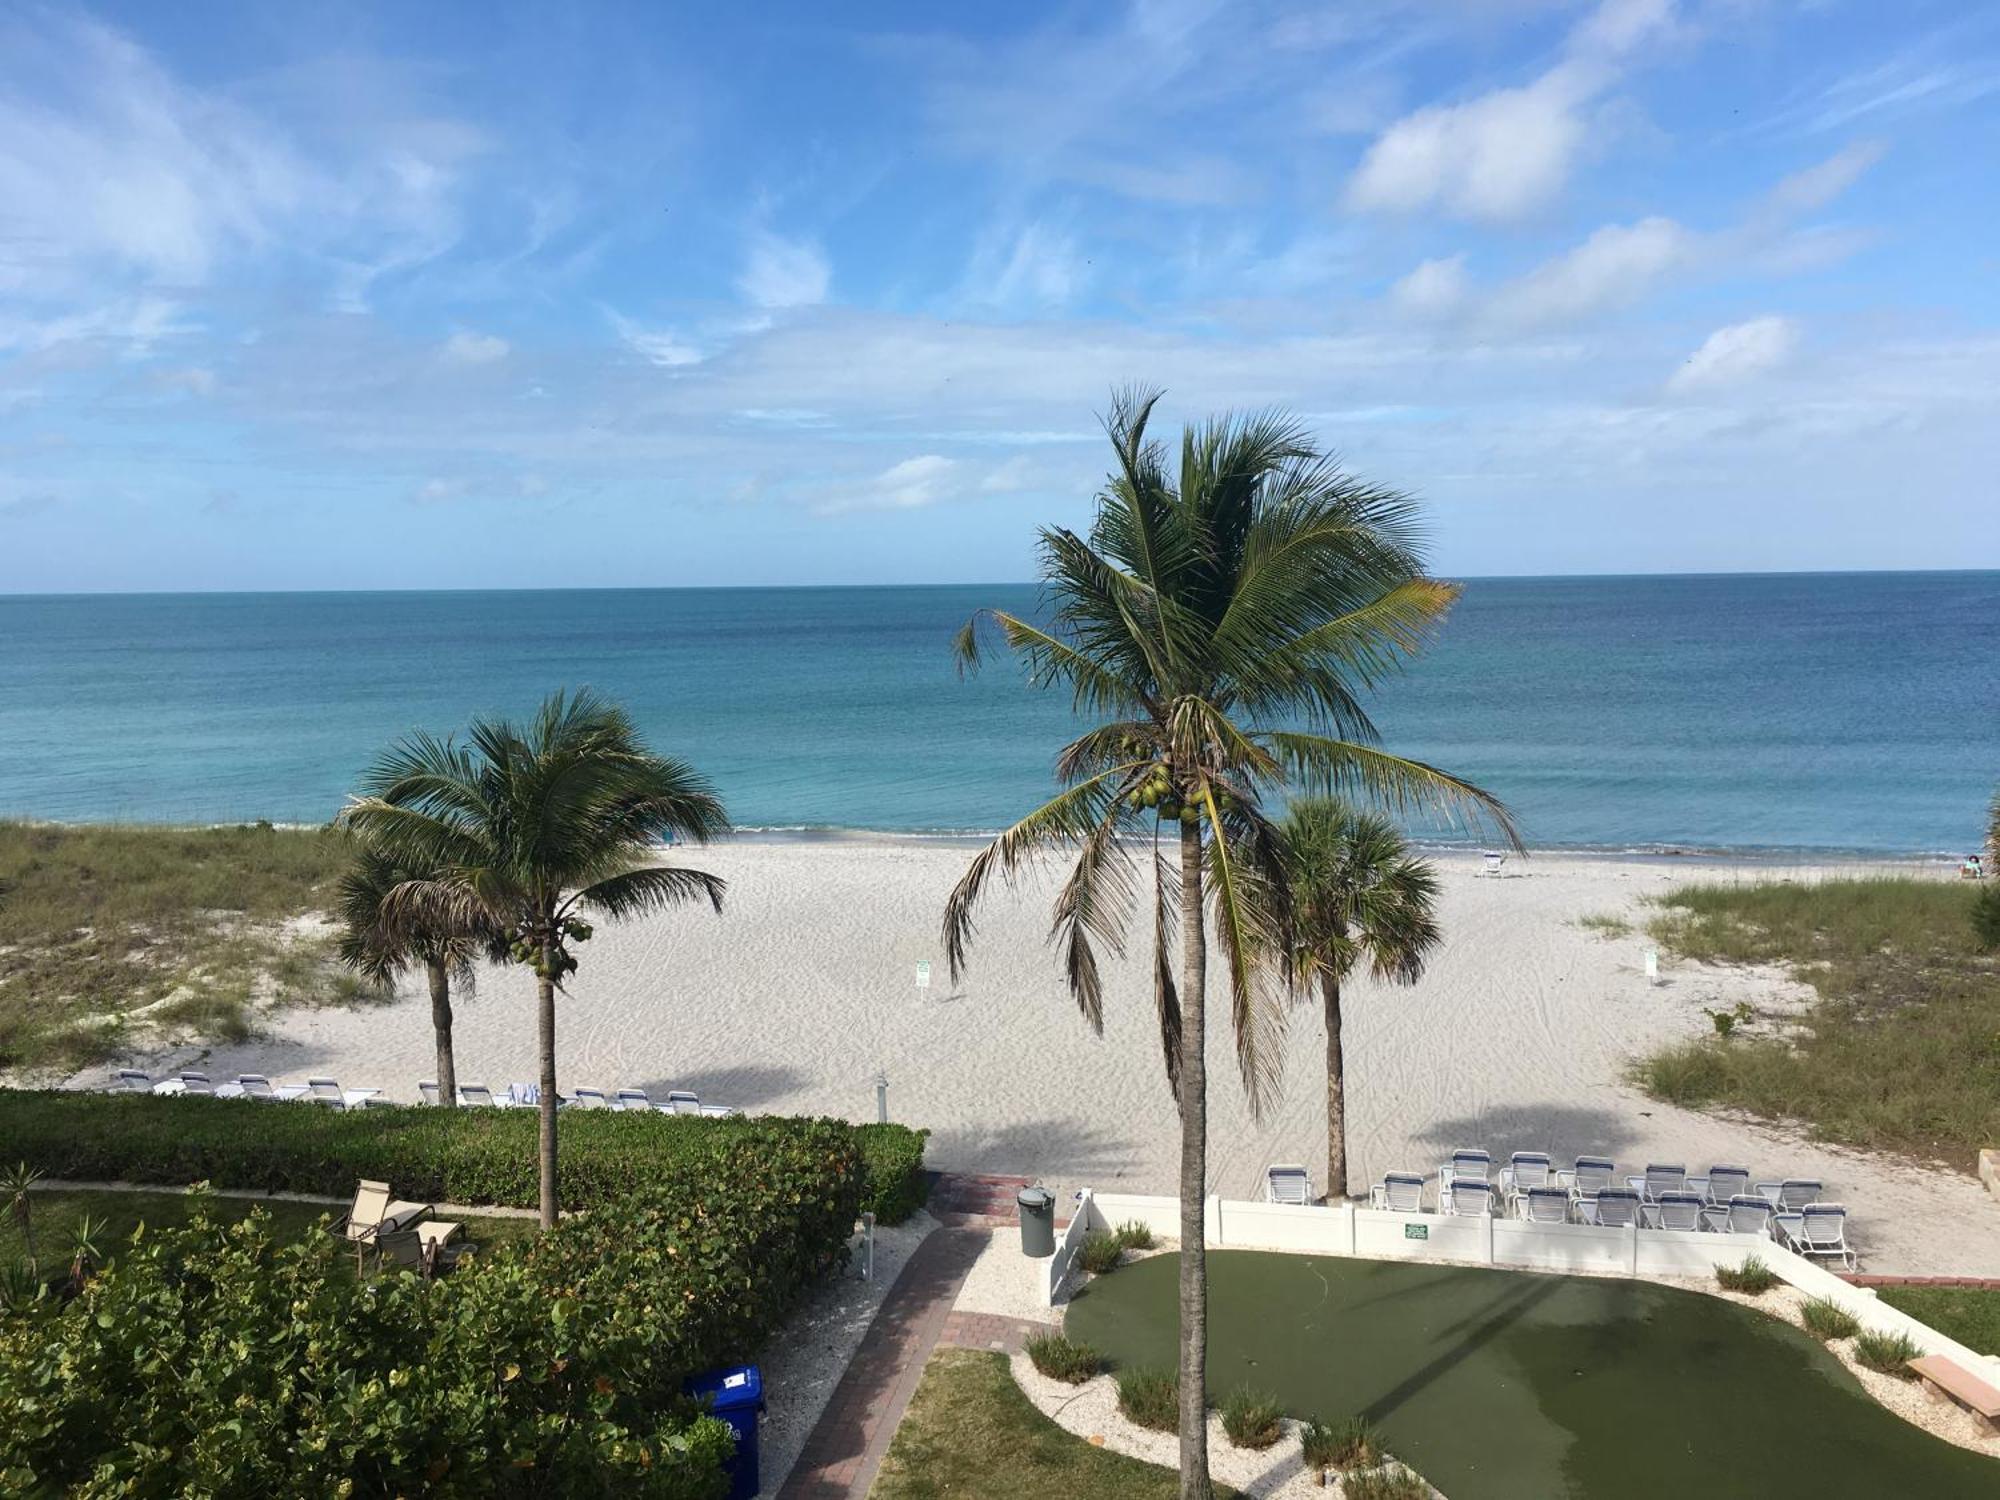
(545, 1026)
(1194, 1175)
(1336, 1095)
(447, 1067)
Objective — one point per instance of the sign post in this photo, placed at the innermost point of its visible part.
(923, 973)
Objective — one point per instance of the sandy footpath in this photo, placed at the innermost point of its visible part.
(805, 989)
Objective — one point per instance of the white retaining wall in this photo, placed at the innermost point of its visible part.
(1377, 1234)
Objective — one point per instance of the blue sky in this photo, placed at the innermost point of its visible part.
(495, 295)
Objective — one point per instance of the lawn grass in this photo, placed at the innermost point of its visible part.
(1901, 1049)
(1510, 1385)
(57, 1212)
(97, 923)
(971, 1434)
(1966, 1313)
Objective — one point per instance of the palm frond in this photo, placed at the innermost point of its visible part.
(1343, 768)
(653, 888)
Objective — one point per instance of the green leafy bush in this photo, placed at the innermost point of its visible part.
(1064, 1359)
(1150, 1399)
(1889, 1353)
(1826, 1319)
(1349, 1444)
(1752, 1277)
(216, 1359)
(1251, 1418)
(468, 1156)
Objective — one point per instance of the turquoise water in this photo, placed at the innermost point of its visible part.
(1853, 712)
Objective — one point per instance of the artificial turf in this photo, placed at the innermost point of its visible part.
(1504, 1385)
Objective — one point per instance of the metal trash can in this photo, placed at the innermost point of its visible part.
(1038, 1222)
(735, 1395)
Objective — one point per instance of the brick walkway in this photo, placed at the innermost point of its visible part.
(970, 1330)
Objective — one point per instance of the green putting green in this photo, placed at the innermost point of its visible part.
(1502, 1385)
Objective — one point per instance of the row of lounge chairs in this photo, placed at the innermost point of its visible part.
(1532, 1188)
(328, 1091)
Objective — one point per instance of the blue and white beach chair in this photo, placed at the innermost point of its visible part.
(1399, 1192)
(1612, 1207)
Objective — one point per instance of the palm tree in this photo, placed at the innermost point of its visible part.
(1218, 626)
(17, 1185)
(526, 829)
(1356, 893)
(381, 937)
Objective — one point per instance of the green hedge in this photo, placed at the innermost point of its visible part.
(216, 1360)
(457, 1155)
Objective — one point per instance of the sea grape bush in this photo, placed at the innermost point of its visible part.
(215, 1359)
(444, 1155)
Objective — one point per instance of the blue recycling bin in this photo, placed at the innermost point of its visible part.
(736, 1395)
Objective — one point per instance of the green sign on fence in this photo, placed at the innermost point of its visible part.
(1416, 1231)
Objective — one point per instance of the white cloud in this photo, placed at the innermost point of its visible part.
(1617, 265)
(1737, 353)
(659, 346)
(1434, 289)
(473, 349)
(437, 491)
(1816, 186)
(1041, 269)
(1509, 152)
(782, 272)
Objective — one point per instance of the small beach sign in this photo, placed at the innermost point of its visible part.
(1416, 1231)
(923, 973)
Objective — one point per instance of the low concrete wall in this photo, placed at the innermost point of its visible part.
(1057, 1268)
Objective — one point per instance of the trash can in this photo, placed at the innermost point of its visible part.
(1038, 1222)
(735, 1395)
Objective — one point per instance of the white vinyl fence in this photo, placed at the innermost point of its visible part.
(1377, 1234)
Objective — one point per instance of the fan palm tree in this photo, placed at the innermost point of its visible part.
(526, 829)
(1218, 624)
(381, 937)
(1355, 892)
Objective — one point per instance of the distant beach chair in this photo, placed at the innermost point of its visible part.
(1612, 1208)
(255, 1086)
(633, 1099)
(195, 1083)
(1494, 862)
(476, 1096)
(1547, 1204)
(1399, 1192)
(1525, 1170)
(681, 1102)
(1661, 1177)
(129, 1081)
(1675, 1210)
(1467, 1198)
(1791, 1195)
(326, 1091)
(1722, 1183)
(1468, 1166)
(1819, 1232)
(592, 1099)
(1287, 1184)
(427, 1091)
(1590, 1176)
(1745, 1213)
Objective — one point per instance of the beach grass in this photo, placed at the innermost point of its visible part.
(106, 931)
(972, 1434)
(1900, 1050)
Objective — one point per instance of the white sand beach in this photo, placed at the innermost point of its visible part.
(804, 990)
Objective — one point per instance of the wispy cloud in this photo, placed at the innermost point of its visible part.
(1737, 353)
(781, 272)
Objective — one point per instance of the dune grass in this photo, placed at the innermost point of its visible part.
(97, 923)
(971, 1434)
(1901, 1049)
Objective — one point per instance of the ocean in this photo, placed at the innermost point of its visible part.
(1855, 713)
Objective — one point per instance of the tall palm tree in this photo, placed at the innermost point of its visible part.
(382, 936)
(526, 829)
(1355, 892)
(1219, 625)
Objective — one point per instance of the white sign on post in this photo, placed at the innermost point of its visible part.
(923, 973)
(1652, 966)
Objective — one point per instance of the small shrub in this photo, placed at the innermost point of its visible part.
(1688, 1074)
(1150, 1399)
(1250, 1418)
(1101, 1253)
(1986, 919)
(1384, 1484)
(1826, 1319)
(1350, 1444)
(1064, 1359)
(1725, 1022)
(1752, 1277)
(1135, 1236)
(1889, 1353)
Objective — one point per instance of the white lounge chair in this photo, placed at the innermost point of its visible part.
(1493, 861)
(1661, 1177)
(1613, 1207)
(1722, 1183)
(681, 1102)
(1287, 1184)
(633, 1099)
(428, 1092)
(1545, 1204)
(1819, 1232)
(1793, 1194)
(326, 1091)
(1590, 1175)
(1524, 1170)
(1399, 1192)
(1467, 1198)
(476, 1096)
(1744, 1213)
(375, 1214)
(129, 1081)
(1681, 1210)
(195, 1083)
(592, 1099)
